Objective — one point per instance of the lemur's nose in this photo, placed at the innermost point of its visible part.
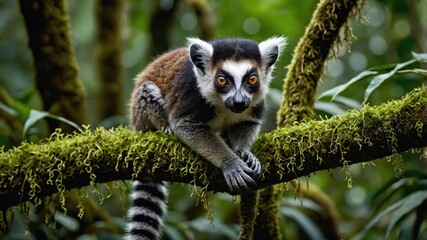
(238, 103)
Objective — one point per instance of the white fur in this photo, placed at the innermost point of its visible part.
(237, 70)
(265, 47)
(204, 80)
(225, 118)
(206, 51)
(207, 47)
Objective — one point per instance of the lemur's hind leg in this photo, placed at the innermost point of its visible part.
(149, 112)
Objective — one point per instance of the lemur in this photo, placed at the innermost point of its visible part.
(211, 96)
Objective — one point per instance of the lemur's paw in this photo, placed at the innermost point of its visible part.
(250, 160)
(166, 129)
(239, 177)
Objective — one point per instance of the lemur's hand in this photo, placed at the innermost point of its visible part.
(250, 160)
(238, 176)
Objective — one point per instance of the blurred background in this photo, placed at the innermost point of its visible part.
(390, 33)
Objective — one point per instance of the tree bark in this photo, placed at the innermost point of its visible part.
(203, 11)
(109, 18)
(161, 23)
(56, 69)
(33, 171)
(299, 89)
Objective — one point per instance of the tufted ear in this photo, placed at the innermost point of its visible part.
(271, 49)
(200, 54)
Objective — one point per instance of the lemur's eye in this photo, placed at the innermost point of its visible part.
(253, 80)
(221, 81)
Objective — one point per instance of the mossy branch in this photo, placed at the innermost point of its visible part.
(33, 171)
(56, 71)
(300, 85)
(109, 17)
(309, 58)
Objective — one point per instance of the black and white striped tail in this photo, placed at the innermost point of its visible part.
(147, 210)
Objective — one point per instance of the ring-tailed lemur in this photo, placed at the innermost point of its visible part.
(210, 95)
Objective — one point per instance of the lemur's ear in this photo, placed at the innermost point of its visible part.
(200, 53)
(271, 49)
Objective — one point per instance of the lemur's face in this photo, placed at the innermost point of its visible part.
(236, 84)
(234, 73)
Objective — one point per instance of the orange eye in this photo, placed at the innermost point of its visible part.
(253, 80)
(221, 81)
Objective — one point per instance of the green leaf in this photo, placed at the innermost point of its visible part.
(409, 204)
(390, 70)
(383, 68)
(67, 221)
(348, 102)
(379, 79)
(380, 215)
(8, 110)
(340, 88)
(36, 115)
(327, 107)
(306, 224)
(391, 187)
(415, 70)
(385, 192)
(420, 57)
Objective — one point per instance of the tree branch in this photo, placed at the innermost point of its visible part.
(109, 17)
(307, 66)
(33, 171)
(56, 71)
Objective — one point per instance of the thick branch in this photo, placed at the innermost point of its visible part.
(109, 17)
(309, 58)
(33, 171)
(299, 89)
(47, 24)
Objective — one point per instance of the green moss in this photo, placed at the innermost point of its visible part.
(56, 71)
(340, 133)
(419, 126)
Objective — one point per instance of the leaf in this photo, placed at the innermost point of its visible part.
(409, 204)
(420, 57)
(36, 115)
(309, 227)
(348, 102)
(379, 79)
(380, 215)
(327, 107)
(385, 192)
(340, 88)
(415, 70)
(67, 221)
(8, 110)
(383, 68)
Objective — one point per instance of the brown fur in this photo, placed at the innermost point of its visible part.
(162, 70)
